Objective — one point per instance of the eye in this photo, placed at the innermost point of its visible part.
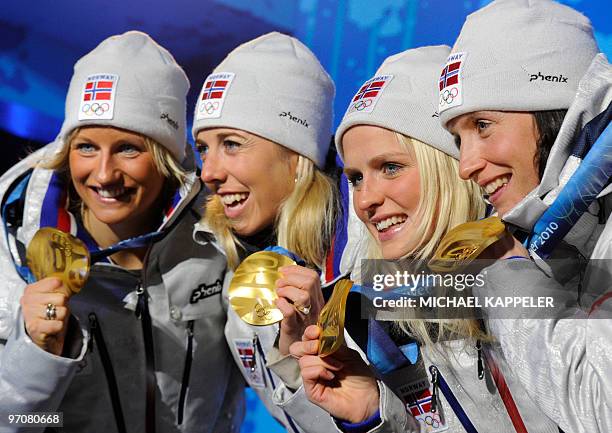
(355, 179)
(457, 139)
(391, 168)
(129, 149)
(85, 148)
(202, 149)
(230, 145)
(481, 124)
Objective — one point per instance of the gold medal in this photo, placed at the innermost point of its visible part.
(465, 242)
(53, 253)
(331, 319)
(252, 291)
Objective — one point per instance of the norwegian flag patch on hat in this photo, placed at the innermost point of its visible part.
(449, 83)
(212, 96)
(98, 98)
(368, 94)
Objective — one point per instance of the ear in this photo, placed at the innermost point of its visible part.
(293, 163)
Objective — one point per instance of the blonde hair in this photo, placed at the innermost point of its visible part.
(164, 161)
(305, 221)
(445, 202)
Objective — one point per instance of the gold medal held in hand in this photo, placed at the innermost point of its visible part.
(252, 291)
(465, 242)
(53, 253)
(331, 319)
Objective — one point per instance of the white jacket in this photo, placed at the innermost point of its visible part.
(254, 353)
(565, 363)
(559, 370)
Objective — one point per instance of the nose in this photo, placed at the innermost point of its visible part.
(107, 171)
(213, 170)
(471, 161)
(368, 196)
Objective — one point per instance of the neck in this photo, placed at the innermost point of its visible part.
(107, 235)
(260, 240)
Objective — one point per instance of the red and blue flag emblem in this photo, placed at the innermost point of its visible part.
(368, 94)
(98, 90)
(213, 94)
(450, 84)
(450, 75)
(98, 98)
(422, 404)
(214, 89)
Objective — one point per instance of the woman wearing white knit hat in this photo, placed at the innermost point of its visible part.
(263, 128)
(120, 178)
(403, 168)
(527, 97)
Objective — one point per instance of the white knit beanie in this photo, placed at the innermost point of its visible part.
(516, 55)
(401, 98)
(274, 87)
(130, 82)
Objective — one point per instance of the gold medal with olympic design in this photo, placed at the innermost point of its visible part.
(53, 253)
(252, 291)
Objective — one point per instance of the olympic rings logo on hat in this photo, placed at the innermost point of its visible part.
(209, 107)
(95, 109)
(448, 96)
(362, 104)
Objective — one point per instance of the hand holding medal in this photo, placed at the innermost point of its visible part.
(60, 263)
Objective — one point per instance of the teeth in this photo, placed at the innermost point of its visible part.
(111, 192)
(232, 198)
(497, 183)
(386, 223)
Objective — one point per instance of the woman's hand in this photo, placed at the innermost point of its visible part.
(341, 384)
(47, 331)
(300, 301)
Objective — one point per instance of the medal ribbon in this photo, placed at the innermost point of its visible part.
(589, 179)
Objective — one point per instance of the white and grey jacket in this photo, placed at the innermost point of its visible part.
(144, 335)
(565, 362)
(559, 369)
(275, 379)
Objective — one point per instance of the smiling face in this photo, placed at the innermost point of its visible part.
(116, 177)
(251, 175)
(498, 152)
(386, 187)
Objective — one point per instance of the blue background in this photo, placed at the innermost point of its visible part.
(40, 41)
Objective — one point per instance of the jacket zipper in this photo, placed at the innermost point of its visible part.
(480, 362)
(439, 383)
(142, 312)
(111, 381)
(186, 372)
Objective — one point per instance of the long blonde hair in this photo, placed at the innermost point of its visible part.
(445, 202)
(304, 224)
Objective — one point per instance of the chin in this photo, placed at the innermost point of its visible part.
(243, 229)
(111, 218)
(392, 252)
